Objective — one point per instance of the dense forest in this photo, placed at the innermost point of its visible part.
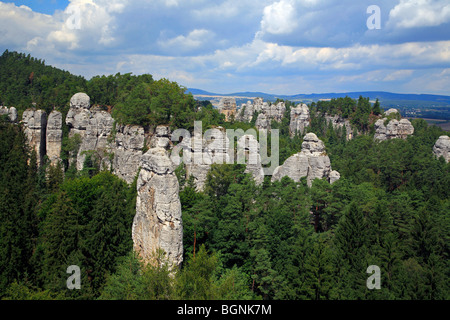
(279, 240)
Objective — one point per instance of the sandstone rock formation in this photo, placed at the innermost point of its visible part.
(391, 111)
(93, 126)
(35, 124)
(127, 148)
(11, 112)
(267, 112)
(202, 151)
(161, 138)
(248, 149)
(158, 223)
(339, 122)
(246, 111)
(216, 146)
(393, 130)
(80, 100)
(193, 157)
(311, 162)
(54, 137)
(442, 148)
(275, 111)
(227, 106)
(263, 122)
(300, 119)
(334, 176)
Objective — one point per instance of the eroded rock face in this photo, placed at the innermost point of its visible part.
(35, 125)
(161, 138)
(311, 162)
(442, 148)
(391, 111)
(275, 111)
(248, 148)
(80, 100)
(267, 112)
(300, 119)
(263, 122)
(199, 152)
(393, 130)
(334, 176)
(227, 106)
(127, 149)
(339, 122)
(158, 222)
(11, 112)
(54, 137)
(245, 113)
(94, 127)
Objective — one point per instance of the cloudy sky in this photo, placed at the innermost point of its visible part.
(284, 47)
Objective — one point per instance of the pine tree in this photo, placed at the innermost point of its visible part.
(376, 110)
(319, 270)
(18, 224)
(61, 241)
(351, 253)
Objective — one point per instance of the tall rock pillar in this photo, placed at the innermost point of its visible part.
(157, 223)
(35, 124)
(54, 137)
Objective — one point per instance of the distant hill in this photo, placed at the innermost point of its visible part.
(437, 100)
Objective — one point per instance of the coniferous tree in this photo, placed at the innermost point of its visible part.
(18, 224)
(351, 253)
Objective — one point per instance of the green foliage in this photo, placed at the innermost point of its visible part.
(26, 80)
(20, 291)
(87, 223)
(135, 280)
(209, 116)
(17, 201)
(154, 103)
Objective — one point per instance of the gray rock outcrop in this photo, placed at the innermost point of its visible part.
(94, 127)
(263, 122)
(311, 162)
(54, 137)
(35, 125)
(227, 106)
(339, 122)
(246, 111)
(391, 111)
(300, 119)
(248, 149)
(80, 100)
(127, 149)
(11, 112)
(199, 152)
(158, 222)
(442, 148)
(274, 111)
(393, 130)
(334, 176)
(267, 112)
(161, 138)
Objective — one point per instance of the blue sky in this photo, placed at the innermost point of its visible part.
(42, 6)
(283, 46)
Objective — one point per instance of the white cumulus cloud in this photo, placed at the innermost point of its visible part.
(279, 18)
(195, 39)
(419, 13)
